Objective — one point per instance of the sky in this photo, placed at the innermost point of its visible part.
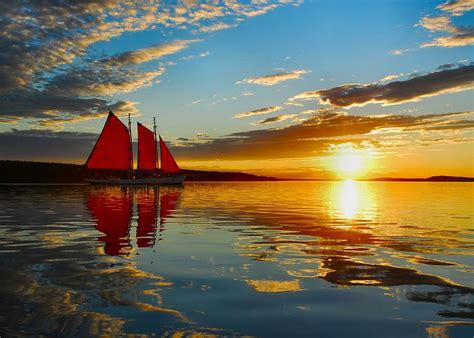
(302, 89)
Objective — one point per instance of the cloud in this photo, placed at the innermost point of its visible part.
(34, 41)
(190, 57)
(114, 74)
(314, 136)
(457, 40)
(461, 36)
(46, 49)
(215, 27)
(413, 89)
(399, 51)
(71, 96)
(150, 53)
(275, 119)
(52, 110)
(100, 81)
(457, 7)
(40, 145)
(260, 111)
(389, 77)
(273, 79)
(438, 23)
(311, 138)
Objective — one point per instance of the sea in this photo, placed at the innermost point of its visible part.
(254, 259)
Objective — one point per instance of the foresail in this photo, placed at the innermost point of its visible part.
(146, 148)
(168, 164)
(113, 148)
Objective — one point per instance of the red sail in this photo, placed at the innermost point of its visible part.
(168, 164)
(146, 148)
(112, 210)
(113, 149)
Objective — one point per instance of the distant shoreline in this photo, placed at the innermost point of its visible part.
(29, 172)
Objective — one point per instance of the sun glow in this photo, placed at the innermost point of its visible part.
(350, 163)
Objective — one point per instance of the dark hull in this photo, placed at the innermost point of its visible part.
(165, 180)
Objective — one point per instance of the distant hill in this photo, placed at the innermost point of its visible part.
(429, 179)
(46, 172)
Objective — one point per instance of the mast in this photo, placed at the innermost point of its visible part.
(156, 152)
(130, 147)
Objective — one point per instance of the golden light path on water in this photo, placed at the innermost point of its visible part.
(351, 199)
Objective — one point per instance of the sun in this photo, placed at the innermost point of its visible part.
(349, 162)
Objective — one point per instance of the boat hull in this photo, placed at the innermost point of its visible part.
(164, 180)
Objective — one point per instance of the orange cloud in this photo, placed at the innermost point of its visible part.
(273, 79)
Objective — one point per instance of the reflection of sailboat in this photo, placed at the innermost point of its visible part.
(112, 209)
(111, 159)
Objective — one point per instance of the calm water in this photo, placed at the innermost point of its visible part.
(328, 259)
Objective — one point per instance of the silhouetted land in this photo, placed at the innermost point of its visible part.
(45, 172)
(429, 179)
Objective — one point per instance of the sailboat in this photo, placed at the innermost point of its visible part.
(111, 159)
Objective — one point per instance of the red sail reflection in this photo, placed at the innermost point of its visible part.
(169, 203)
(112, 210)
(147, 214)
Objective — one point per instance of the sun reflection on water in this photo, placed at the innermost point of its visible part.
(348, 199)
(351, 200)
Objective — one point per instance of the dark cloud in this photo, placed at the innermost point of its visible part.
(53, 109)
(261, 111)
(276, 119)
(40, 145)
(413, 89)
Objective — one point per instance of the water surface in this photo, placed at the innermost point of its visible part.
(267, 259)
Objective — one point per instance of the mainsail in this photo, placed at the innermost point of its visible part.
(113, 148)
(146, 148)
(168, 164)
